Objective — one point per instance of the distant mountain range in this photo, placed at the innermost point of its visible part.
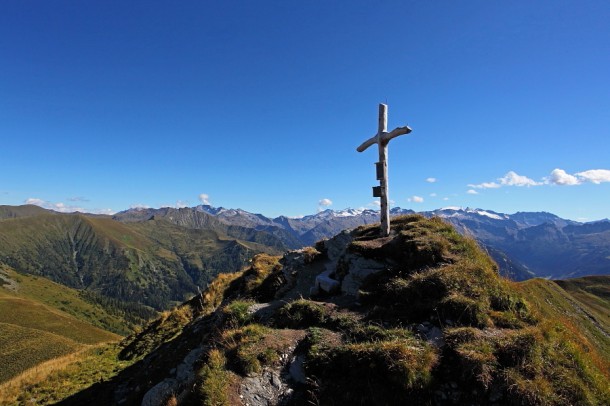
(159, 257)
(525, 244)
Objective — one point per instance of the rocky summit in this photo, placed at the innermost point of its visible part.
(419, 317)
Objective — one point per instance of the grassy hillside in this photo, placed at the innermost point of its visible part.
(58, 378)
(34, 329)
(594, 294)
(153, 263)
(21, 211)
(15, 287)
(571, 320)
(420, 317)
(22, 348)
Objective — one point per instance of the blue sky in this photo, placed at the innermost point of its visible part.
(106, 105)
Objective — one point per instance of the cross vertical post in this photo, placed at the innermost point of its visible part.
(382, 138)
(383, 163)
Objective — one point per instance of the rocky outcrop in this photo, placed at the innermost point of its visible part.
(182, 380)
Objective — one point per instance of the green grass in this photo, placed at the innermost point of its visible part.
(439, 275)
(379, 372)
(34, 328)
(92, 366)
(302, 314)
(29, 314)
(593, 292)
(167, 327)
(37, 294)
(563, 313)
(7, 212)
(22, 348)
(154, 263)
(215, 380)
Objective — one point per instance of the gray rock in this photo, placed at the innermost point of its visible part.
(326, 283)
(264, 389)
(185, 376)
(296, 371)
(335, 247)
(359, 269)
(435, 337)
(159, 393)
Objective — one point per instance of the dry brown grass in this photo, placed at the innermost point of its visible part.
(172, 401)
(10, 390)
(215, 293)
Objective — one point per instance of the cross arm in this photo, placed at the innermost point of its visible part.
(386, 137)
(367, 143)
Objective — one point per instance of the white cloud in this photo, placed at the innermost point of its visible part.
(433, 195)
(561, 177)
(77, 199)
(325, 202)
(64, 208)
(472, 192)
(485, 185)
(416, 199)
(513, 179)
(445, 198)
(596, 176)
(430, 180)
(60, 207)
(204, 198)
(180, 204)
(375, 203)
(139, 206)
(510, 179)
(105, 211)
(558, 177)
(36, 202)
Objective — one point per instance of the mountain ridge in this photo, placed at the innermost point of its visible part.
(505, 236)
(419, 316)
(152, 263)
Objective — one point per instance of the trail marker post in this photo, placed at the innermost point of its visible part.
(382, 138)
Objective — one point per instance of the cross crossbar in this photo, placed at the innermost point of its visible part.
(382, 138)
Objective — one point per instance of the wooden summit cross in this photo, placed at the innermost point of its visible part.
(382, 138)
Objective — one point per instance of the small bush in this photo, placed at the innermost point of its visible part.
(261, 267)
(386, 372)
(252, 347)
(215, 380)
(463, 310)
(236, 313)
(319, 341)
(537, 391)
(268, 278)
(517, 347)
(372, 333)
(216, 292)
(302, 314)
(478, 362)
(310, 254)
(239, 346)
(167, 327)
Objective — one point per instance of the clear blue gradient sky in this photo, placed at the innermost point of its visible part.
(105, 105)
